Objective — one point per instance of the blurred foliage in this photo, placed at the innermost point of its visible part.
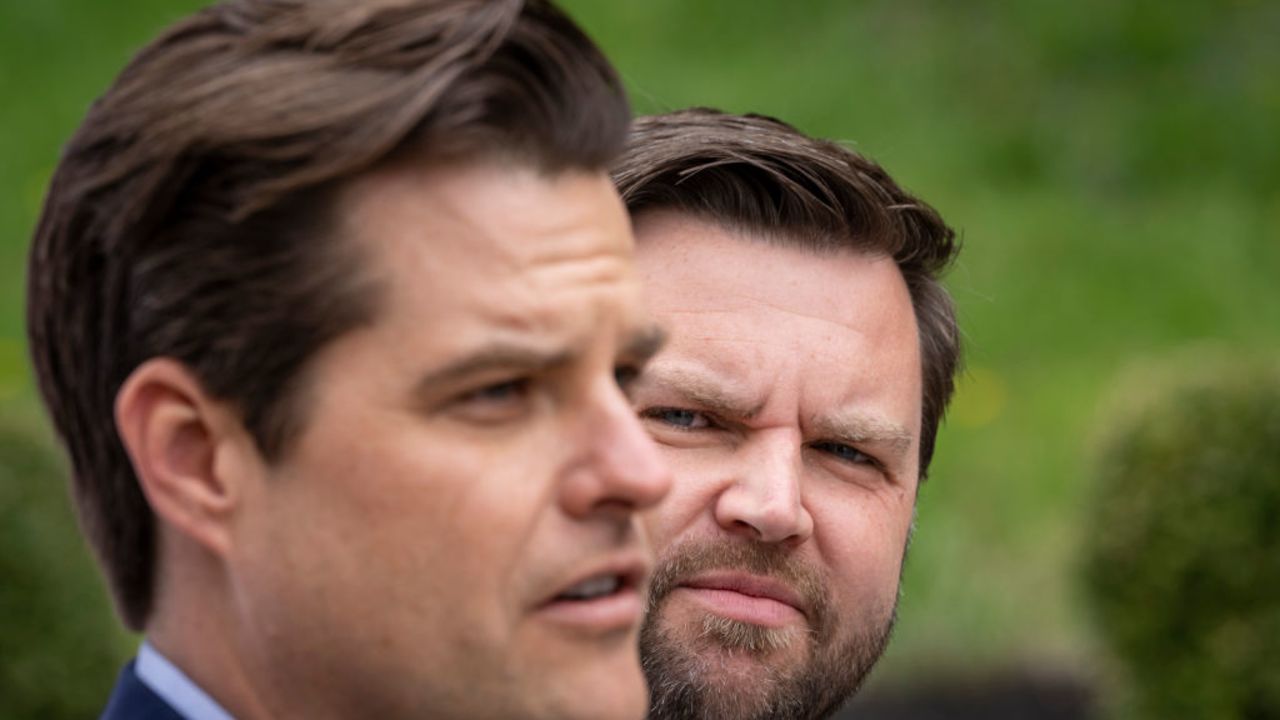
(1183, 561)
(62, 645)
(1113, 166)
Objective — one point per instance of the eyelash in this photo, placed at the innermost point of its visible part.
(657, 413)
(832, 448)
(498, 391)
(623, 375)
(835, 448)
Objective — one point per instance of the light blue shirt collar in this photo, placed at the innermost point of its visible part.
(174, 687)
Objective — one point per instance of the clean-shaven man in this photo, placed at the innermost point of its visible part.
(812, 353)
(333, 305)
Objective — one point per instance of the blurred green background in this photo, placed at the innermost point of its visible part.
(1114, 168)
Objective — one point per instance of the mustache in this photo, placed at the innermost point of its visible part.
(686, 561)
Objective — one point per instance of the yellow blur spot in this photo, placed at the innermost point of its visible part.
(980, 399)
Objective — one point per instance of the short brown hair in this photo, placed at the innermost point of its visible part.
(191, 213)
(762, 176)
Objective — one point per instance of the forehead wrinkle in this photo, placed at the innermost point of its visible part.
(590, 272)
(570, 295)
(820, 315)
(748, 300)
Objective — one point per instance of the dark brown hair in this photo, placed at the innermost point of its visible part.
(190, 214)
(763, 177)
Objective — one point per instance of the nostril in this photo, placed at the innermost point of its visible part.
(742, 527)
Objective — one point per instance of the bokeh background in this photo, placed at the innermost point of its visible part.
(1112, 165)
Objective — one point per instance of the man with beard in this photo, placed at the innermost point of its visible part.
(811, 357)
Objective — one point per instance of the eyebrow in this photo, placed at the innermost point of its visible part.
(641, 345)
(701, 390)
(855, 427)
(505, 355)
(849, 426)
(500, 355)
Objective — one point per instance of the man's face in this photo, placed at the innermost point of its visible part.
(788, 405)
(453, 532)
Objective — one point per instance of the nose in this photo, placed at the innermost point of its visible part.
(763, 499)
(622, 471)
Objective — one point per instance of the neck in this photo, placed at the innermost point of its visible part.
(194, 627)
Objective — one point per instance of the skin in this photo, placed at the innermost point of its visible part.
(788, 404)
(466, 457)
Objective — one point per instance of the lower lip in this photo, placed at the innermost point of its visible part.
(619, 612)
(765, 612)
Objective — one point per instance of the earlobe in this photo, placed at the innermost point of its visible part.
(174, 432)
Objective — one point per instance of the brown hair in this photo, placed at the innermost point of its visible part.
(762, 176)
(190, 214)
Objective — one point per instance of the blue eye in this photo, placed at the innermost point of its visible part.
(678, 418)
(844, 452)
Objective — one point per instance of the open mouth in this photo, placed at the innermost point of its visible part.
(605, 601)
(593, 588)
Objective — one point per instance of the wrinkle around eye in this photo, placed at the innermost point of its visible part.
(856, 461)
(857, 466)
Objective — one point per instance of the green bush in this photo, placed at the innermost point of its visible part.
(61, 645)
(1183, 558)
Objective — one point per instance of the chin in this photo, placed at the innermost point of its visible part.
(629, 703)
(608, 689)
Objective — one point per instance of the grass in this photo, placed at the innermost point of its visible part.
(1113, 166)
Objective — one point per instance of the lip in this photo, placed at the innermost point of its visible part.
(619, 611)
(754, 599)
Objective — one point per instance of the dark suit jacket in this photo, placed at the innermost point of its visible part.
(133, 700)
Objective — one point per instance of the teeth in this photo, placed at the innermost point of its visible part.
(593, 588)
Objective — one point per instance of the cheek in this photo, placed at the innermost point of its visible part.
(697, 474)
(500, 530)
(405, 510)
(863, 544)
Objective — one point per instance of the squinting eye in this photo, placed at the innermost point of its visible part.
(678, 418)
(506, 391)
(845, 452)
(495, 404)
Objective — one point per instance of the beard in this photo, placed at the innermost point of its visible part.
(689, 678)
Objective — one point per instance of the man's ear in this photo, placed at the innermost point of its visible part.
(186, 448)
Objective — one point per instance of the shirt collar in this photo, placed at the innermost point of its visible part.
(174, 687)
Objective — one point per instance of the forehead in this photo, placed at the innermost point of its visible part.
(505, 246)
(767, 318)
(508, 215)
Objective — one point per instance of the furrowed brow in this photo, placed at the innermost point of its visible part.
(703, 391)
(860, 428)
(498, 356)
